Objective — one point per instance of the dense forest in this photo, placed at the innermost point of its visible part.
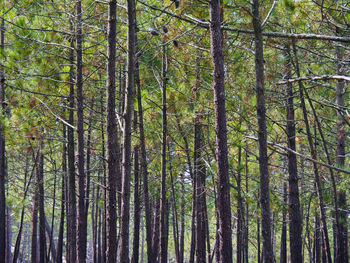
(174, 131)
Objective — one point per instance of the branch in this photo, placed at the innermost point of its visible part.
(205, 24)
(302, 155)
(325, 77)
(58, 117)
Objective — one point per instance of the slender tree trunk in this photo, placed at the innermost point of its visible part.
(295, 223)
(40, 182)
(71, 190)
(246, 226)
(112, 139)
(239, 231)
(156, 228)
(283, 254)
(224, 207)
(314, 156)
(34, 228)
(317, 241)
(174, 211)
(2, 153)
(182, 223)
(21, 225)
(199, 173)
(59, 254)
(342, 233)
(148, 215)
(128, 111)
(82, 215)
(262, 136)
(163, 198)
(137, 208)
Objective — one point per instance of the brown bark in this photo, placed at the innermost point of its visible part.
(137, 206)
(33, 252)
(148, 215)
(327, 251)
(295, 224)
(182, 221)
(155, 230)
(40, 185)
(199, 173)
(82, 215)
(163, 198)
(223, 203)
(59, 254)
(128, 111)
(2, 154)
(71, 190)
(283, 254)
(342, 233)
(112, 139)
(262, 136)
(239, 231)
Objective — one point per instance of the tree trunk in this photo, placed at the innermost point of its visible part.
(240, 211)
(262, 136)
(199, 173)
(137, 208)
(59, 254)
(342, 233)
(72, 214)
(182, 219)
(21, 226)
(2, 154)
(327, 251)
(112, 139)
(128, 111)
(82, 219)
(163, 198)
(156, 227)
(34, 227)
(148, 215)
(283, 254)
(40, 182)
(224, 207)
(295, 224)
(317, 241)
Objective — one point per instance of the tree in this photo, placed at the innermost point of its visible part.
(224, 207)
(112, 139)
(262, 135)
(128, 111)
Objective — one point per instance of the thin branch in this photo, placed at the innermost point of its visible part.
(302, 155)
(312, 78)
(58, 117)
(205, 24)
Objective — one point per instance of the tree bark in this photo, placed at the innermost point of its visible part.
(82, 216)
(148, 214)
(224, 207)
(59, 254)
(199, 173)
(137, 206)
(283, 254)
(295, 223)
(72, 214)
(163, 198)
(262, 136)
(2, 154)
(128, 111)
(34, 228)
(342, 233)
(240, 211)
(40, 184)
(112, 139)
(327, 251)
